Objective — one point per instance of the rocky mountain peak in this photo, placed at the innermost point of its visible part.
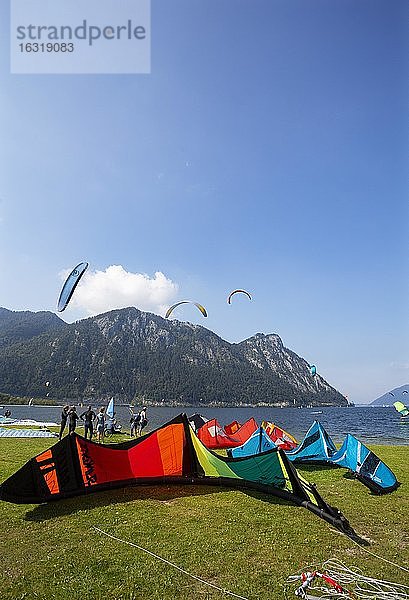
(133, 354)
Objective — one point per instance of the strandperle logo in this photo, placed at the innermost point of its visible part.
(90, 33)
(80, 36)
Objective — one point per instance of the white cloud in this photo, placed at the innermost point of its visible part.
(101, 291)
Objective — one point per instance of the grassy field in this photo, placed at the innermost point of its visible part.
(248, 543)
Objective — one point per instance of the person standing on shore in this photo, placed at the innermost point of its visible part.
(88, 417)
(100, 419)
(133, 426)
(64, 415)
(142, 421)
(72, 419)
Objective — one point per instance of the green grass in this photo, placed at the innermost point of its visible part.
(245, 542)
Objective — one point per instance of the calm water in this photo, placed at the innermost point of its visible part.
(371, 425)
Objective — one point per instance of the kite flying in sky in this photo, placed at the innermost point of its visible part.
(199, 306)
(236, 292)
(70, 284)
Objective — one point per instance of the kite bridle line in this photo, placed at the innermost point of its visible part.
(309, 577)
(170, 564)
(373, 553)
(366, 588)
(339, 577)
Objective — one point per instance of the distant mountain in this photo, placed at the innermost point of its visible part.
(388, 400)
(24, 325)
(136, 355)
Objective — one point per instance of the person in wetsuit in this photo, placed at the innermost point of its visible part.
(88, 417)
(72, 419)
(142, 421)
(100, 419)
(64, 415)
(134, 420)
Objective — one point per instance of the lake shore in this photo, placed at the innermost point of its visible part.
(370, 425)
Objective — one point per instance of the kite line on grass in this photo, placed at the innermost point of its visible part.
(169, 563)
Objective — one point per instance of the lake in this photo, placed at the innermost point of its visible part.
(372, 425)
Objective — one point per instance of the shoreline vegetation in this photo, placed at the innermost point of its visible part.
(242, 541)
(10, 400)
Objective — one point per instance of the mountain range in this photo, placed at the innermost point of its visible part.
(394, 395)
(139, 356)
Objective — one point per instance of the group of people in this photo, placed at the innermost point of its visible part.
(89, 417)
(98, 421)
(137, 422)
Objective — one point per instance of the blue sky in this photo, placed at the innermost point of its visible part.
(266, 150)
